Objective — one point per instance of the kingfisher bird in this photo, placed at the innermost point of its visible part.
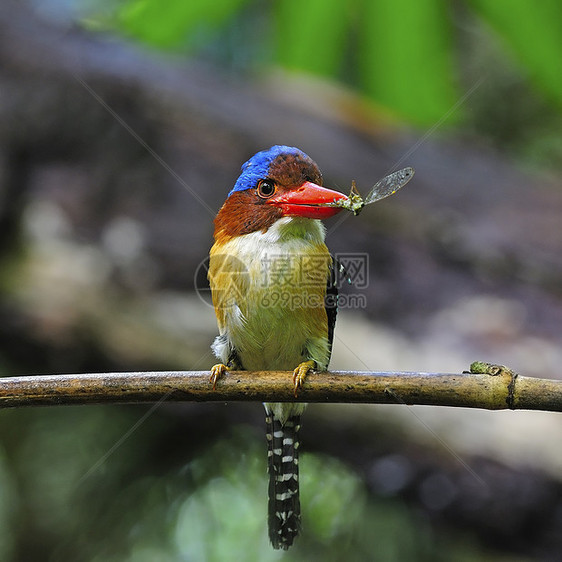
(271, 278)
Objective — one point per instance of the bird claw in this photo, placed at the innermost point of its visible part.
(299, 374)
(217, 371)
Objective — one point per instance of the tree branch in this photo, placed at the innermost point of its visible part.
(487, 386)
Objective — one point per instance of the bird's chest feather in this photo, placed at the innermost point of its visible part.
(268, 291)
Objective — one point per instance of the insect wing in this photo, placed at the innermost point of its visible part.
(389, 185)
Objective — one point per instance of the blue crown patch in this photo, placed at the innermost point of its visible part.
(257, 167)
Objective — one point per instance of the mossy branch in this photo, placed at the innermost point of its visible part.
(487, 386)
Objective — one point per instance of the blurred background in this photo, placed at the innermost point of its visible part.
(123, 125)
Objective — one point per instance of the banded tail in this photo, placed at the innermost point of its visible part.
(284, 510)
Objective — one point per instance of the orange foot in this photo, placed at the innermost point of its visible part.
(217, 371)
(299, 374)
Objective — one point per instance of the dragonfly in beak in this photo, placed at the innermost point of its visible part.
(385, 187)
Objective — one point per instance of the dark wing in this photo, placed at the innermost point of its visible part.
(336, 273)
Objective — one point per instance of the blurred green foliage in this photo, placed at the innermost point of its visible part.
(168, 26)
(533, 33)
(59, 502)
(405, 58)
(402, 54)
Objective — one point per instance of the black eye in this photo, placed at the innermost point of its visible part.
(266, 188)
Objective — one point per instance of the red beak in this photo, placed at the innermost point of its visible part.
(309, 200)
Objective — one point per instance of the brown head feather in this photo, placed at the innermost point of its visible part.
(245, 211)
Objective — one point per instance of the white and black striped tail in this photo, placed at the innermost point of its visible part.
(284, 510)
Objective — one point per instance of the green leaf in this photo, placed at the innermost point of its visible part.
(171, 24)
(533, 30)
(311, 35)
(405, 58)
